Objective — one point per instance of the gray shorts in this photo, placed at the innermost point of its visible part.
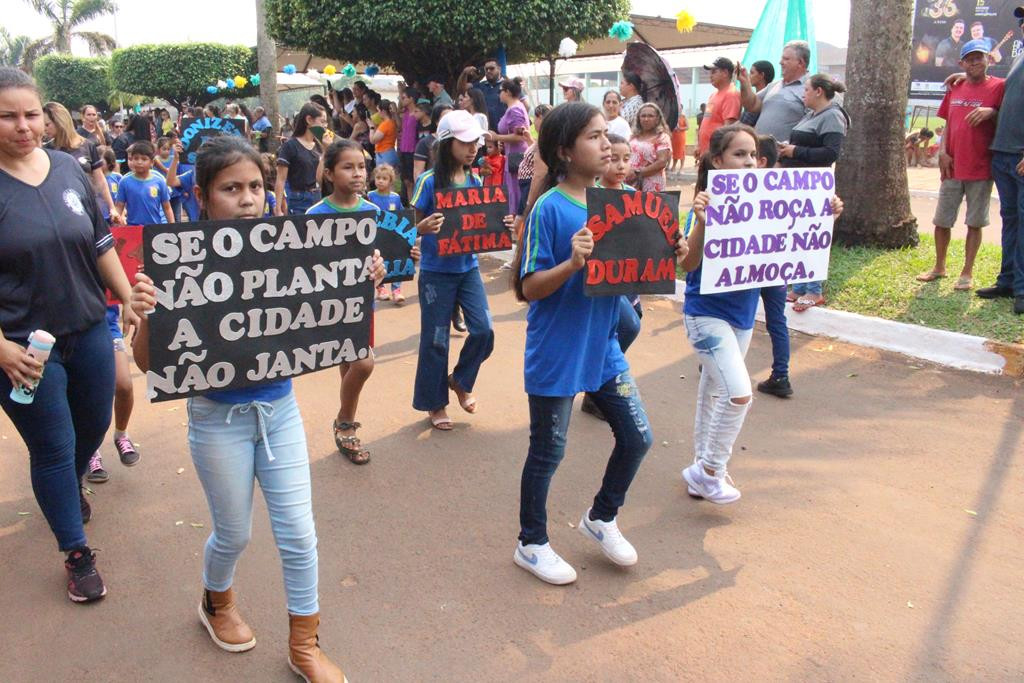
(952, 193)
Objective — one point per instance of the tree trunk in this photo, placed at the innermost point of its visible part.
(871, 174)
(266, 56)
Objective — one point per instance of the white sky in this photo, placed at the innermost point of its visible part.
(234, 21)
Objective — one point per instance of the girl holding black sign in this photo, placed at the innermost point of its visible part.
(572, 346)
(719, 327)
(238, 436)
(450, 281)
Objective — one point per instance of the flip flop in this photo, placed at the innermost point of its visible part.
(442, 424)
(964, 284)
(803, 303)
(468, 403)
(791, 296)
(930, 276)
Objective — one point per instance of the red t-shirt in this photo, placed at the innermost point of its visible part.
(497, 164)
(968, 145)
(723, 105)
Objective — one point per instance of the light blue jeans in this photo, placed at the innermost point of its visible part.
(721, 349)
(234, 445)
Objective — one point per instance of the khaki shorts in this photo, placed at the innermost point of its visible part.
(952, 193)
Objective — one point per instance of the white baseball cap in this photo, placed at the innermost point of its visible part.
(461, 125)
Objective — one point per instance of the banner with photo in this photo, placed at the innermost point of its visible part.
(943, 27)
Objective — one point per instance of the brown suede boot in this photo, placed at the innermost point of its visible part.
(220, 616)
(304, 654)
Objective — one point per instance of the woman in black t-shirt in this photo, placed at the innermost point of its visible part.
(61, 131)
(56, 257)
(298, 162)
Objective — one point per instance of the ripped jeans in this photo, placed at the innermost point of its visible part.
(439, 292)
(620, 403)
(721, 349)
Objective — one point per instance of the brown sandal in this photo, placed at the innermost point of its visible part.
(350, 446)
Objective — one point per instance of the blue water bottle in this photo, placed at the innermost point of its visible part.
(40, 343)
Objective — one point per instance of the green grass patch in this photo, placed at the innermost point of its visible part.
(880, 283)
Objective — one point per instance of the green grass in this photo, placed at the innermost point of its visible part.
(880, 283)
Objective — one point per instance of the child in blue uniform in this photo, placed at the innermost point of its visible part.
(387, 199)
(143, 193)
(240, 436)
(572, 346)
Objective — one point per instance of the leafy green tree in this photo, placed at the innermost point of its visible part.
(65, 17)
(74, 81)
(180, 73)
(437, 36)
(12, 48)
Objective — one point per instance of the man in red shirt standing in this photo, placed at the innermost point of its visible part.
(724, 105)
(965, 162)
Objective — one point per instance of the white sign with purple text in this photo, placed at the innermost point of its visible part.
(767, 227)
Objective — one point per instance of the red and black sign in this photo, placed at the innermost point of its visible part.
(635, 235)
(474, 220)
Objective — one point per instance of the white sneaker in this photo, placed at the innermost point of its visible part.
(544, 563)
(718, 490)
(613, 544)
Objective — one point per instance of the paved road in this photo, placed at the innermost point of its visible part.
(878, 538)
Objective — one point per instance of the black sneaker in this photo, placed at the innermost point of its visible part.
(96, 475)
(457, 322)
(1018, 305)
(588, 406)
(126, 451)
(994, 292)
(86, 508)
(776, 386)
(84, 582)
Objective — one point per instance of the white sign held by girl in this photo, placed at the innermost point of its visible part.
(767, 227)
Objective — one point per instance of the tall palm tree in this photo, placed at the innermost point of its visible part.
(65, 16)
(12, 48)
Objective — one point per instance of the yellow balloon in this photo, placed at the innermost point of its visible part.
(330, 70)
(240, 82)
(685, 22)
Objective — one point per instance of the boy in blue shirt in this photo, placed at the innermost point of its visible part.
(143, 192)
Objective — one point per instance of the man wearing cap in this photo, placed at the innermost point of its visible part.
(572, 89)
(781, 104)
(436, 87)
(965, 162)
(723, 106)
(1008, 173)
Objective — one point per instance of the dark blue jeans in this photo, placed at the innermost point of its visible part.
(65, 424)
(774, 299)
(620, 403)
(629, 323)
(1010, 186)
(439, 292)
(299, 202)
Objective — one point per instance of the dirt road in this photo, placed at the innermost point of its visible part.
(878, 538)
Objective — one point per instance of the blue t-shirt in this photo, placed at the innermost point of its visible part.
(571, 339)
(736, 308)
(423, 201)
(188, 192)
(113, 180)
(391, 201)
(267, 392)
(144, 198)
(262, 124)
(269, 204)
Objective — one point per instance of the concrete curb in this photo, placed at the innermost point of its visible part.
(951, 349)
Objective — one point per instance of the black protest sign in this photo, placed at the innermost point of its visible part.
(396, 236)
(474, 220)
(635, 235)
(244, 302)
(194, 132)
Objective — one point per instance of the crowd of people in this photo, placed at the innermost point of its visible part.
(356, 151)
